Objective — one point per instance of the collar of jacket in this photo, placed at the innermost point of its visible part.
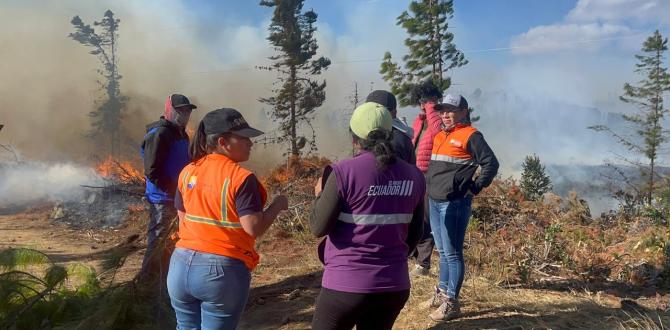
(402, 127)
(455, 127)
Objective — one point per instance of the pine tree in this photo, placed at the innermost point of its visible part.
(106, 119)
(295, 101)
(432, 52)
(648, 122)
(534, 180)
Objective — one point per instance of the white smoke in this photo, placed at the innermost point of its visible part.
(24, 183)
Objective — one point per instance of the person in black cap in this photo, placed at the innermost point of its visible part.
(165, 152)
(220, 206)
(402, 134)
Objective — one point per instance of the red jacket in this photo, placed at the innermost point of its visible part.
(425, 143)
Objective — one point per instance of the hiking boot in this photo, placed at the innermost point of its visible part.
(419, 271)
(439, 297)
(449, 310)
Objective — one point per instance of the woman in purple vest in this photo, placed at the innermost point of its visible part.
(370, 209)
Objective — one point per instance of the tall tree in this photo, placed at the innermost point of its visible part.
(432, 52)
(106, 119)
(648, 121)
(295, 101)
(534, 180)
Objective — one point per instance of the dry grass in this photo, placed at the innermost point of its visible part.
(286, 284)
(531, 266)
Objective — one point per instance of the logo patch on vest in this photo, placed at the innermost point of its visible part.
(393, 188)
(191, 182)
(456, 143)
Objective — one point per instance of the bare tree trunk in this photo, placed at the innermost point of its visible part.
(294, 146)
(651, 182)
(657, 113)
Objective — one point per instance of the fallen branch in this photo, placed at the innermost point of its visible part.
(114, 188)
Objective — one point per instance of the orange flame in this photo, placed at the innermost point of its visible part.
(123, 172)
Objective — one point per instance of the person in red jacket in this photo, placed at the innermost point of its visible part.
(426, 125)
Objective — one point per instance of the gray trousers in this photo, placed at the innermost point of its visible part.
(424, 249)
(160, 216)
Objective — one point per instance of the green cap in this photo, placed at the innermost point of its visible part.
(368, 117)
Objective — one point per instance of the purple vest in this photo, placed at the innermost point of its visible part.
(365, 251)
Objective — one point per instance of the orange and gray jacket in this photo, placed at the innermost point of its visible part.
(455, 157)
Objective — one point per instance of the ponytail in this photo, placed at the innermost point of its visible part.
(198, 148)
(203, 144)
(379, 143)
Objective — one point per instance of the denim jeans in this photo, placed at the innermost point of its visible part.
(160, 217)
(207, 291)
(449, 220)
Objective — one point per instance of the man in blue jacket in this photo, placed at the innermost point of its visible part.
(165, 153)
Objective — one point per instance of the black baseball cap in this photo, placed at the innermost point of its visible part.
(227, 120)
(179, 100)
(452, 103)
(385, 98)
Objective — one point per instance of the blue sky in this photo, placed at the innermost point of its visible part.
(478, 24)
(590, 39)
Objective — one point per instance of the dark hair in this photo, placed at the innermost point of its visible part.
(424, 91)
(202, 143)
(379, 143)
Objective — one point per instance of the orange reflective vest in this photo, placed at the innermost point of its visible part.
(208, 188)
(451, 147)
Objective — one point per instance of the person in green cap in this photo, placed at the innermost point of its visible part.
(371, 211)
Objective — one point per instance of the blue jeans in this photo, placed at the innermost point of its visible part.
(160, 218)
(449, 220)
(207, 291)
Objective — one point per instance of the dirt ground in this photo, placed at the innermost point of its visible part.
(34, 229)
(286, 283)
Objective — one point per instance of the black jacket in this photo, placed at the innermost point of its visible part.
(165, 153)
(402, 144)
(402, 141)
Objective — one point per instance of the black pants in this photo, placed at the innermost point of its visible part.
(424, 249)
(343, 310)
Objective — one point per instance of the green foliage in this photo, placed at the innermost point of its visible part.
(106, 119)
(40, 298)
(647, 96)
(534, 180)
(21, 258)
(298, 96)
(432, 52)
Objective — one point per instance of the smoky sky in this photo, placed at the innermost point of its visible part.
(49, 81)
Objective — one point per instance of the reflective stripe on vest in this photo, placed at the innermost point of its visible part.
(215, 222)
(375, 219)
(223, 219)
(224, 200)
(449, 159)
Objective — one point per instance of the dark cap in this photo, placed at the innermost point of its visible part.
(452, 103)
(227, 120)
(179, 100)
(387, 99)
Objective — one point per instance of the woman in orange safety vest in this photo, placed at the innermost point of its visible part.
(221, 212)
